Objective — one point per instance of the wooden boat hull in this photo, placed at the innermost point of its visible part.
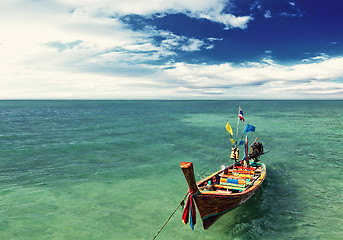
(213, 204)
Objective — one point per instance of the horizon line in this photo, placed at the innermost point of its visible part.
(163, 99)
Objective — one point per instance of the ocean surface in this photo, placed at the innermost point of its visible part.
(111, 169)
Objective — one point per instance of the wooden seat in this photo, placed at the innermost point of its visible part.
(229, 187)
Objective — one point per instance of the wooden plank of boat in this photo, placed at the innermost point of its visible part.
(214, 203)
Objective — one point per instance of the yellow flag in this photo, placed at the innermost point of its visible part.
(228, 128)
(233, 141)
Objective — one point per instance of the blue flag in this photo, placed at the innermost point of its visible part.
(249, 128)
(241, 142)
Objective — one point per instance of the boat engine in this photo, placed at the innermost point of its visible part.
(256, 150)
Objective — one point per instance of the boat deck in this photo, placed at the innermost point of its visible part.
(231, 180)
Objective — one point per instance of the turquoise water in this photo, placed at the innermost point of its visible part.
(111, 169)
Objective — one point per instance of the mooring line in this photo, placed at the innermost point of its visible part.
(181, 203)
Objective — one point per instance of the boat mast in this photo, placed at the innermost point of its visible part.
(237, 125)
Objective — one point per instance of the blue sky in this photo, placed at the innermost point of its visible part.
(175, 49)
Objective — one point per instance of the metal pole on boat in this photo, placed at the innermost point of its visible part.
(237, 125)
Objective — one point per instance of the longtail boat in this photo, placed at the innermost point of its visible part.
(222, 197)
(226, 189)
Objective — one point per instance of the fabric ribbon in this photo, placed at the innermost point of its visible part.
(189, 210)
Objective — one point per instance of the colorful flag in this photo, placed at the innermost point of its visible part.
(228, 128)
(249, 128)
(233, 141)
(241, 117)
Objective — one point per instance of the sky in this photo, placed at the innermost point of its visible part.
(175, 49)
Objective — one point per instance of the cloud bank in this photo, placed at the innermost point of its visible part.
(83, 50)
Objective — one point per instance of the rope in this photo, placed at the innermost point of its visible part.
(181, 204)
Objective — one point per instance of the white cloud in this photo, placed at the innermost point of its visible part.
(33, 24)
(321, 57)
(262, 80)
(192, 45)
(147, 7)
(83, 30)
(174, 42)
(232, 21)
(181, 80)
(79, 49)
(208, 9)
(268, 14)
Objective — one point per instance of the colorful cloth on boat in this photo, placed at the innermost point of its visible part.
(229, 128)
(249, 128)
(189, 210)
(241, 117)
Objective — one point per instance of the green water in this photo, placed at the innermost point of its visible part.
(111, 169)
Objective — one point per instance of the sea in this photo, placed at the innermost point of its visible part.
(111, 169)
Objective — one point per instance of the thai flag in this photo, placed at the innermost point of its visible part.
(241, 117)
